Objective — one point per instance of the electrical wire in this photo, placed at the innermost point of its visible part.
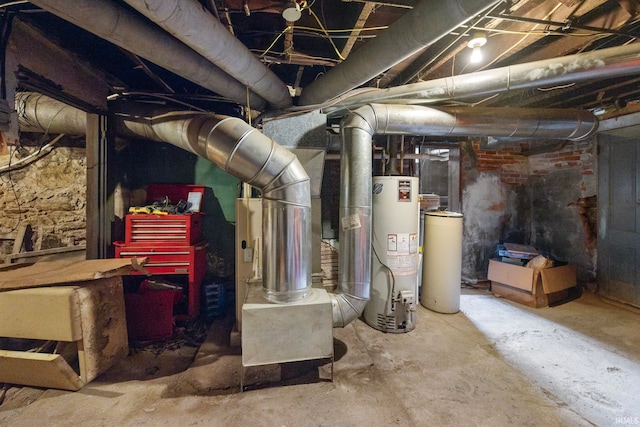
(15, 193)
(12, 3)
(391, 296)
(36, 155)
(324, 30)
(275, 40)
(327, 33)
(248, 106)
(159, 96)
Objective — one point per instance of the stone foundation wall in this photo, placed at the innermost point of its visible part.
(48, 194)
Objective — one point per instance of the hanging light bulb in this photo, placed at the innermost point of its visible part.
(476, 55)
(475, 44)
(292, 13)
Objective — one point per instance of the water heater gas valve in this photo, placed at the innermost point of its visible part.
(405, 319)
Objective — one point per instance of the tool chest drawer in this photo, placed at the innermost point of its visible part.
(144, 229)
(167, 259)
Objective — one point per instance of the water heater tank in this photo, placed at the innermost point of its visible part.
(394, 265)
(442, 263)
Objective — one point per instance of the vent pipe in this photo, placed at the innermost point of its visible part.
(404, 37)
(595, 65)
(357, 132)
(190, 23)
(240, 150)
(107, 20)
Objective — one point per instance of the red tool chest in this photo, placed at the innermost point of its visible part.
(143, 229)
(173, 243)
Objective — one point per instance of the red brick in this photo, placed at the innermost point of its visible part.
(571, 157)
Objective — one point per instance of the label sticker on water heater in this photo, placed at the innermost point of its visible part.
(350, 222)
(404, 191)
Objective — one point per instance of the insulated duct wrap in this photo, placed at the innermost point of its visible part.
(190, 23)
(39, 113)
(126, 29)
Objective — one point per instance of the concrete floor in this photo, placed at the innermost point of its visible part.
(495, 363)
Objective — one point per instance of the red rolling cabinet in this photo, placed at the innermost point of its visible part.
(173, 243)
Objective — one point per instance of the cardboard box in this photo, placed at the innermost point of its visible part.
(534, 288)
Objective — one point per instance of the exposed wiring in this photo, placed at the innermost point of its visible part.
(15, 193)
(275, 58)
(248, 106)
(276, 40)
(541, 32)
(36, 155)
(547, 89)
(391, 296)
(159, 96)
(12, 3)
(324, 30)
(327, 33)
(522, 39)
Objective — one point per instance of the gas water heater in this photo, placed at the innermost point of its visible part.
(394, 264)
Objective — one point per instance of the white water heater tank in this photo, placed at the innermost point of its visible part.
(394, 265)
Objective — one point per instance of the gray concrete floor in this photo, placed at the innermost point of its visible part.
(495, 363)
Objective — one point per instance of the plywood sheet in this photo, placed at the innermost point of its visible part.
(47, 273)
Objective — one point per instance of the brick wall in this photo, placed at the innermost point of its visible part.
(577, 155)
(548, 193)
(516, 164)
(512, 165)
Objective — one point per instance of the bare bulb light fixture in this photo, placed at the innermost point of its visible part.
(292, 12)
(475, 44)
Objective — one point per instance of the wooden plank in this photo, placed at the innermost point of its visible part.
(46, 273)
(84, 86)
(43, 252)
(18, 243)
(367, 10)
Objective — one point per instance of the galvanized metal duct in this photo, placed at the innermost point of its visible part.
(595, 65)
(404, 37)
(239, 149)
(357, 131)
(190, 23)
(124, 28)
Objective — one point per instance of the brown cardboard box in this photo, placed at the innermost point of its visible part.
(535, 288)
